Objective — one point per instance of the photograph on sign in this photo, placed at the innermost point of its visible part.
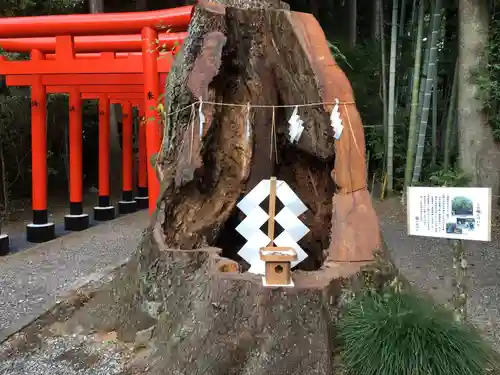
(449, 212)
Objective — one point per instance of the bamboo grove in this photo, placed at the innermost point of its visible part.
(426, 79)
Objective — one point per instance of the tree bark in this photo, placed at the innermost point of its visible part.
(479, 156)
(206, 314)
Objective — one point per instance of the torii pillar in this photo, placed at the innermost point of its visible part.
(142, 197)
(40, 230)
(104, 211)
(151, 93)
(76, 220)
(127, 205)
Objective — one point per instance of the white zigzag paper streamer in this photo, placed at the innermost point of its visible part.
(249, 228)
(296, 128)
(336, 121)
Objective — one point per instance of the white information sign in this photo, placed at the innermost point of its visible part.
(450, 212)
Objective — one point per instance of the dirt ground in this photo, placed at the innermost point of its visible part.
(428, 263)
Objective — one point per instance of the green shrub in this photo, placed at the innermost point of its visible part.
(451, 177)
(405, 334)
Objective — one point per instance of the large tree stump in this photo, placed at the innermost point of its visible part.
(203, 316)
(208, 316)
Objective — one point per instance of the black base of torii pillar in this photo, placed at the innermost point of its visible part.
(127, 205)
(142, 198)
(4, 244)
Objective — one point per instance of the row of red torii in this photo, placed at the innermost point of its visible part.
(116, 58)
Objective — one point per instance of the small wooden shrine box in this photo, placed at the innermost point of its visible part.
(278, 265)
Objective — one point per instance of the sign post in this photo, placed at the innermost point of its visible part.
(455, 213)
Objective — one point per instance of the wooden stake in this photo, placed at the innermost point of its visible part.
(272, 210)
(278, 259)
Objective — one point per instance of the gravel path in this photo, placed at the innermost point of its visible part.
(68, 355)
(427, 262)
(31, 280)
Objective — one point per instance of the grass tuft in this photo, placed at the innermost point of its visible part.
(406, 334)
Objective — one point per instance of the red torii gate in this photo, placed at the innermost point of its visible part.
(102, 93)
(144, 68)
(77, 220)
(79, 85)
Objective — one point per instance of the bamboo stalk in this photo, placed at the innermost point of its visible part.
(434, 122)
(429, 82)
(373, 184)
(425, 73)
(384, 184)
(402, 16)
(412, 139)
(391, 109)
(384, 77)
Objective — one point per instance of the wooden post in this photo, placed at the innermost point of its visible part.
(278, 259)
(272, 209)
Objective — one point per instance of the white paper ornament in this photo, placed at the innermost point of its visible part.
(248, 128)
(201, 116)
(336, 121)
(296, 128)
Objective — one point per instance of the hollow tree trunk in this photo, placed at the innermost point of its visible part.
(202, 313)
(233, 56)
(241, 56)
